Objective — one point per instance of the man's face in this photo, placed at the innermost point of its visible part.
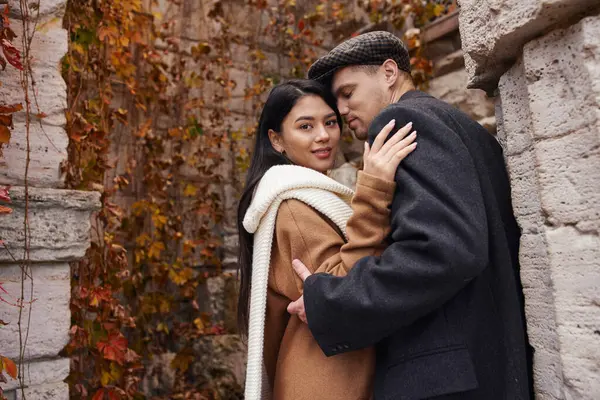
(360, 95)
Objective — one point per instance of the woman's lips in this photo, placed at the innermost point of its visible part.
(323, 153)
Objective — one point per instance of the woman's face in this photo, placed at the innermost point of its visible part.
(309, 134)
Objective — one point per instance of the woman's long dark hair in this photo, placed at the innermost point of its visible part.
(280, 102)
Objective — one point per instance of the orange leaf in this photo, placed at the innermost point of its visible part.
(10, 367)
(9, 109)
(4, 134)
(5, 210)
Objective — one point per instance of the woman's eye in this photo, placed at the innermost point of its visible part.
(332, 122)
(305, 126)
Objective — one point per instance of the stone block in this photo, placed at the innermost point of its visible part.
(45, 9)
(50, 314)
(493, 32)
(159, 377)
(563, 78)
(230, 251)
(516, 116)
(223, 295)
(575, 265)
(452, 88)
(48, 140)
(51, 391)
(41, 372)
(221, 359)
(59, 224)
(48, 148)
(449, 63)
(569, 177)
(525, 191)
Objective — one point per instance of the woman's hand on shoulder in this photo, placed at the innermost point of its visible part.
(382, 158)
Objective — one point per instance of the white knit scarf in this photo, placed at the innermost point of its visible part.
(281, 183)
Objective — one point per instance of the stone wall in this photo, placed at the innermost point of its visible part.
(59, 220)
(545, 65)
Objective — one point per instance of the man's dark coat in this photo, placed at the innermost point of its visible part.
(443, 304)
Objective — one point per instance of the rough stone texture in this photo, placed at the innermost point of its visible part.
(48, 141)
(222, 360)
(550, 129)
(222, 292)
(452, 88)
(50, 391)
(38, 373)
(50, 315)
(59, 224)
(159, 378)
(494, 31)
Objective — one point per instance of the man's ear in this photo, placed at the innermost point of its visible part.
(391, 72)
(276, 141)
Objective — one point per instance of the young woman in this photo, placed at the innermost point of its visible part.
(291, 210)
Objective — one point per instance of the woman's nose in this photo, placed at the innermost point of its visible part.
(323, 134)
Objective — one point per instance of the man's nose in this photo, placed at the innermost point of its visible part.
(343, 107)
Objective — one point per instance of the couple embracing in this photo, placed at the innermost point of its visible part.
(407, 288)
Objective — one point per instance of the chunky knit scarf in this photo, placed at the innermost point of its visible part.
(281, 183)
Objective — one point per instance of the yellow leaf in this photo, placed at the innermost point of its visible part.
(181, 277)
(162, 327)
(199, 324)
(190, 190)
(105, 378)
(155, 249)
(159, 220)
(438, 10)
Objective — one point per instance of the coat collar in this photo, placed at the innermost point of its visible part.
(414, 94)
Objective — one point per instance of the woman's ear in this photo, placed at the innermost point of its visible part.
(276, 141)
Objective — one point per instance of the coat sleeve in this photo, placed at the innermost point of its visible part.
(439, 243)
(305, 234)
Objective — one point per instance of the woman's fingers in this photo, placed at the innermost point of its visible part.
(382, 135)
(396, 138)
(367, 150)
(401, 154)
(402, 144)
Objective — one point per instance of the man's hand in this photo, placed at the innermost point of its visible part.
(297, 307)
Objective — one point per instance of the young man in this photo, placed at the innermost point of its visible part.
(443, 303)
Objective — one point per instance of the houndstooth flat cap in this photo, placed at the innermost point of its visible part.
(371, 48)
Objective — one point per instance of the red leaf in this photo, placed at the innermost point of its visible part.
(301, 25)
(4, 195)
(12, 54)
(99, 395)
(114, 348)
